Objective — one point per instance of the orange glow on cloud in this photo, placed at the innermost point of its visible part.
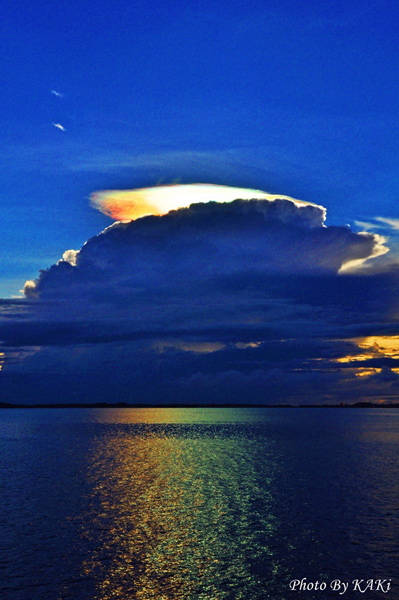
(367, 372)
(385, 344)
(374, 346)
(127, 205)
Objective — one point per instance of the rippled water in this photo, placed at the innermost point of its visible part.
(196, 503)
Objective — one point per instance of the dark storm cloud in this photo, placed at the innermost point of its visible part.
(247, 269)
(223, 302)
(206, 241)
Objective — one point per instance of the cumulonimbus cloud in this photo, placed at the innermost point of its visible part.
(206, 241)
(226, 299)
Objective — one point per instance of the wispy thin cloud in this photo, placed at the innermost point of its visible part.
(58, 94)
(380, 223)
(392, 223)
(59, 126)
(367, 225)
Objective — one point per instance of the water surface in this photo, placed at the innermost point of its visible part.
(196, 503)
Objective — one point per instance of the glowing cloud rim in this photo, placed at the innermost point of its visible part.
(128, 205)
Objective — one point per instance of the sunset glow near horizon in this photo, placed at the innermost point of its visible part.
(128, 205)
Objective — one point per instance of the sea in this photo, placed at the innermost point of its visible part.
(199, 504)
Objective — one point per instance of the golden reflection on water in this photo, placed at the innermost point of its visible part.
(178, 415)
(177, 516)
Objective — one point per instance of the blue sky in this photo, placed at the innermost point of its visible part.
(297, 98)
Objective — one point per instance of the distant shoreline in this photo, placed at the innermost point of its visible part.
(9, 405)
